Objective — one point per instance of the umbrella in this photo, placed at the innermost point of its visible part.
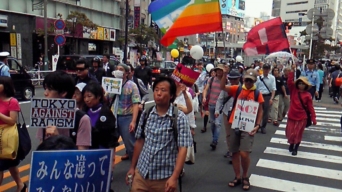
(281, 54)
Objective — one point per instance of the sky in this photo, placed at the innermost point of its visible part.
(254, 7)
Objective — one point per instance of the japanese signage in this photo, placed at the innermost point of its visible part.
(75, 170)
(245, 114)
(54, 112)
(112, 85)
(184, 75)
(13, 39)
(136, 17)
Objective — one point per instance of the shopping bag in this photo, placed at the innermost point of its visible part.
(195, 104)
(9, 141)
(190, 155)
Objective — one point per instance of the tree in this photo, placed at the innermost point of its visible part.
(81, 19)
(143, 35)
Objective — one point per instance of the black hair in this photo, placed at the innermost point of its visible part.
(274, 70)
(94, 88)
(173, 87)
(3, 58)
(7, 82)
(61, 82)
(82, 61)
(320, 66)
(306, 86)
(130, 67)
(58, 142)
(107, 56)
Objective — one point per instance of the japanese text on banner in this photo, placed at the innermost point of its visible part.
(66, 171)
(184, 75)
(52, 112)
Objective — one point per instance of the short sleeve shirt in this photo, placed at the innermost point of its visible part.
(244, 94)
(129, 95)
(7, 106)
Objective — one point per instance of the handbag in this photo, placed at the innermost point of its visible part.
(308, 114)
(9, 141)
(24, 139)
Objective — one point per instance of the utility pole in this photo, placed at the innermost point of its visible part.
(126, 32)
(46, 66)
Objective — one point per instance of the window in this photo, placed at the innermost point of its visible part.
(170, 65)
(13, 65)
(321, 1)
(298, 11)
(298, 3)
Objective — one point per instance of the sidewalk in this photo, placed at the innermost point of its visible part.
(327, 101)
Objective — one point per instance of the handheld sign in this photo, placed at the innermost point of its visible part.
(71, 170)
(112, 85)
(184, 75)
(245, 114)
(54, 112)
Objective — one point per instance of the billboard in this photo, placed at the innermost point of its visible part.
(234, 8)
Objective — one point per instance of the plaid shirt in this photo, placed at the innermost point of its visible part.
(157, 159)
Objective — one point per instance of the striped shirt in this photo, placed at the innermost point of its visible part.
(214, 91)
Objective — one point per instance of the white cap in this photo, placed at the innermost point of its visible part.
(80, 86)
(239, 59)
(4, 54)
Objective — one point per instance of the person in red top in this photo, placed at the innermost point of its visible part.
(297, 117)
(9, 108)
(241, 142)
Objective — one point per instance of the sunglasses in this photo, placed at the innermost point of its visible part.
(232, 79)
(249, 81)
(80, 69)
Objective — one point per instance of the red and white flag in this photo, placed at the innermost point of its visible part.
(266, 38)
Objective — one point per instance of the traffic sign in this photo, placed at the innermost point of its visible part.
(60, 39)
(60, 24)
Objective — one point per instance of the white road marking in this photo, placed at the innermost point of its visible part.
(300, 169)
(305, 155)
(320, 123)
(332, 112)
(309, 144)
(320, 108)
(335, 130)
(284, 185)
(333, 138)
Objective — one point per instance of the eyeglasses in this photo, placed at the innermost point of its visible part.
(230, 79)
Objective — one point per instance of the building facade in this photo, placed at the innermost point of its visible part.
(26, 19)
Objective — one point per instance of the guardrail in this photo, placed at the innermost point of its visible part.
(37, 77)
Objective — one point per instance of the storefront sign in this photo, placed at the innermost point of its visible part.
(3, 21)
(136, 17)
(99, 33)
(112, 34)
(106, 34)
(13, 39)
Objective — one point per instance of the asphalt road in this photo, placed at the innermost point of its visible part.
(317, 167)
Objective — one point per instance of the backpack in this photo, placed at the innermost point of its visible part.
(2, 66)
(256, 96)
(175, 132)
(135, 80)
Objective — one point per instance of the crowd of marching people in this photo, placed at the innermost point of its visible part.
(159, 139)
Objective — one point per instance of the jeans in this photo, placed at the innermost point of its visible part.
(215, 123)
(127, 137)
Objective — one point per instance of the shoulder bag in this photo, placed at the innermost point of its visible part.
(308, 114)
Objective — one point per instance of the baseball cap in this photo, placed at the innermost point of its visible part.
(251, 74)
(234, 74)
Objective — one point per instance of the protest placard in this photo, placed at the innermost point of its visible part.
(71, 170)
(54, 112)
(245, 115)
(184, 75)
(112, 85)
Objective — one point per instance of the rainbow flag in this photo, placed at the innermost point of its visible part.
(200, 16)
(165, 12)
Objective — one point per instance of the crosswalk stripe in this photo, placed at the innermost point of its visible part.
(284, 185)
(332, 138)
(328, 115)
(326, 119)
(321, 123)
(300, 169)
(320, 108)
(305, 155)
(318, 129)
(329, 112)
(309, 144)
(280, 132)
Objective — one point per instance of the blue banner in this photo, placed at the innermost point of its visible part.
(71, 171)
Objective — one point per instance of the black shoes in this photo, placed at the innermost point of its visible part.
(291, 147)
(295, 149)
(213, 145)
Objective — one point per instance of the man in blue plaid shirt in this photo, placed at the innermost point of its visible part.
(157, 159)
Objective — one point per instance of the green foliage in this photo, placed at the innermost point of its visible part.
(81, 18)
(143, 34)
